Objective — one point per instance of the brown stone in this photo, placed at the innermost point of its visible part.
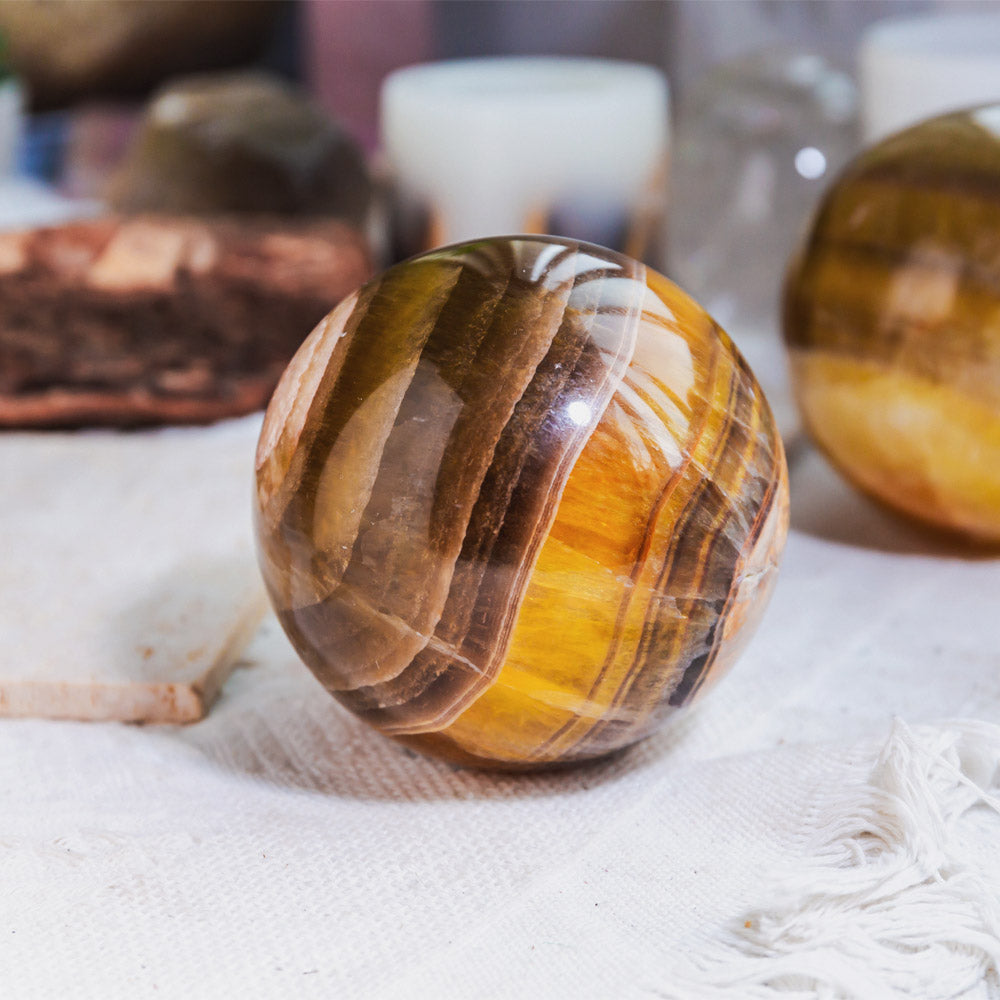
(241, 142)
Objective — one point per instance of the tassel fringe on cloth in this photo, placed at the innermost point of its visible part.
(892, 900)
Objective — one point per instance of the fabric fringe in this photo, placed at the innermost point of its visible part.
(889, 902)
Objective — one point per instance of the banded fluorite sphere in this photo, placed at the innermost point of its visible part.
(892, 318)
(518, 501)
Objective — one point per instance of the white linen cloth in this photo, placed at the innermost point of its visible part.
(786, 838)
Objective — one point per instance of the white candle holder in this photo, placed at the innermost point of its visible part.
(915, 68)
(570, 147)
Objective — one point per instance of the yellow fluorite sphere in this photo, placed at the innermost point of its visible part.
(518, 501)
(892, 318)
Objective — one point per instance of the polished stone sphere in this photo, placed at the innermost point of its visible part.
(518, 501)
(892, 319)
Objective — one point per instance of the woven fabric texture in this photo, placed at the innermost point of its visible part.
(280, 849)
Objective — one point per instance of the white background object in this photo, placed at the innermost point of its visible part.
(915, 68)
(489, 142)
(128, 584)
(11, 123)
(25, 202)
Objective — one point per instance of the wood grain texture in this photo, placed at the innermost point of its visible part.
(892, 317)
(518, 501)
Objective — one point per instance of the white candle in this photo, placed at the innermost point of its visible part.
(502, 146)
(914, 68)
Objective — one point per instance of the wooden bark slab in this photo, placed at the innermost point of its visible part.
(128, 584)
(161, 320)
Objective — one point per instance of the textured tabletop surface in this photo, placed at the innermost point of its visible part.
(278, 848)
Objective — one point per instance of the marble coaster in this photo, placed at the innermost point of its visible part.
(128, 584)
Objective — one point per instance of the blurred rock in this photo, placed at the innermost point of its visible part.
(240, 142)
